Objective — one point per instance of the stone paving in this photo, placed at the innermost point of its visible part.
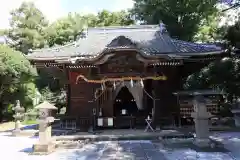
(18, 148)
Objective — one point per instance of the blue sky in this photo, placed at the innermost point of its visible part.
(54, 9)
(95, 5)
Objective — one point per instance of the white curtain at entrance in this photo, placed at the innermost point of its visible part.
(136, 90)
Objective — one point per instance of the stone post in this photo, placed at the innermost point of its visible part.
(19, 114)
(45, 144)
(201, 116)
(236, 113)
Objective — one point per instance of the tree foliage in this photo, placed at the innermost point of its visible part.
(182, 17)
(27, 28)
(233, 34)
(224, 74)
(64, 30)
(67, 29)
(210, 30)
(57, 98)
(106, 18)
(16, 77)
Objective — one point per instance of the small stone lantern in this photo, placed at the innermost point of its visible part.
(45, 144)
(236, 112)
(18, 116)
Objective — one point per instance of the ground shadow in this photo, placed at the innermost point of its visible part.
(188, 144)
(27, 150)
(27, 127)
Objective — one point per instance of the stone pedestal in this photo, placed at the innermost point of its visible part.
(201, 116)
(17, 128)
(47, 148)
(45, 144)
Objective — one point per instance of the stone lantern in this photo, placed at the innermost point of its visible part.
(18, 116)
(201, 116)
(45, 144)
(236, 112)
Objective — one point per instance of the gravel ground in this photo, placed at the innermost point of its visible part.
(18, 148)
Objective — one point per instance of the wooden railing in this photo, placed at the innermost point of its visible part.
(83, 123)
(73, 123)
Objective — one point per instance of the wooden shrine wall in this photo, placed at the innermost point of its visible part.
(81, 96)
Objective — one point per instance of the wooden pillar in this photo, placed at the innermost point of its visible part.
(107, 103)
(156, 103)
(163, 102)
(68, 92)
(68, 106)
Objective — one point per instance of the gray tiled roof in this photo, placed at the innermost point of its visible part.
(146, 38)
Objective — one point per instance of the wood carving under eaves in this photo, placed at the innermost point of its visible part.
(107, 57)
(126, 63)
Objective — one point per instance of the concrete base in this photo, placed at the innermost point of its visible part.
(44, 148)
(202, 142)
(16, 132)
(237, 120)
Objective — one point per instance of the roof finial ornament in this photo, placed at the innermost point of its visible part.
(162, 27)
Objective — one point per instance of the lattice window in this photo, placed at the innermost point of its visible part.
(186, 111)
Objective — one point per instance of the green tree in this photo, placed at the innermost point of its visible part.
(210, 30)
(27, 28)
(121, 18)
(64, 30)
(67, 29)
(233, 34)
(91, 20)
(224, 74)
(16, 77)
(58, 98)
(182, 17)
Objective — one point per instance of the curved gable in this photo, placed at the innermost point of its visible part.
(121, 41)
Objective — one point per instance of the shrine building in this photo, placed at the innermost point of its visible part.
(121, 75)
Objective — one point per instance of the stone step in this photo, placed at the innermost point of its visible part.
(122, 137)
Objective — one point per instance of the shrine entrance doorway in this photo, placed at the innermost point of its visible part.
(124, 104)
(125, 109)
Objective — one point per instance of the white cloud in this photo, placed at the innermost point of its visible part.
(51, 8)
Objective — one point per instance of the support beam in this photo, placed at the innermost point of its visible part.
(68, 92)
